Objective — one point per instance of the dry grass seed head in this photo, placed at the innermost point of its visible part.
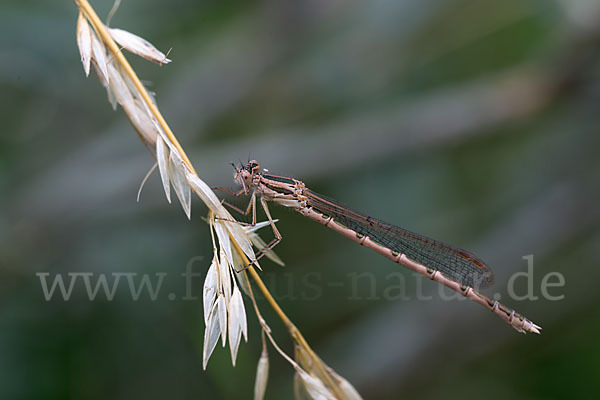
(138, 45)
(84, 42)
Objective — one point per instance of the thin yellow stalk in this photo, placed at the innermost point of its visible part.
(293, 330)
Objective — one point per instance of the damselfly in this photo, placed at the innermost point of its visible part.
(454, 268)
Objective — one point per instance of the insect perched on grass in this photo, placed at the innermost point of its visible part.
(454, 268)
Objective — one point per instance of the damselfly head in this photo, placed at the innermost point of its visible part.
(244, 174)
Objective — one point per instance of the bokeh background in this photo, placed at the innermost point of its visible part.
(471, 121)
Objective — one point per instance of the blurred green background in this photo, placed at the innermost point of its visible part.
(471, 121)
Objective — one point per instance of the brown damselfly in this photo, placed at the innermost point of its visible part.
(454, 268)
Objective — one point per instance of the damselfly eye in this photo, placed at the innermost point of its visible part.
(253, 166)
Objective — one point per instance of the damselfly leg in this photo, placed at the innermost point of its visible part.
(252, 206)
